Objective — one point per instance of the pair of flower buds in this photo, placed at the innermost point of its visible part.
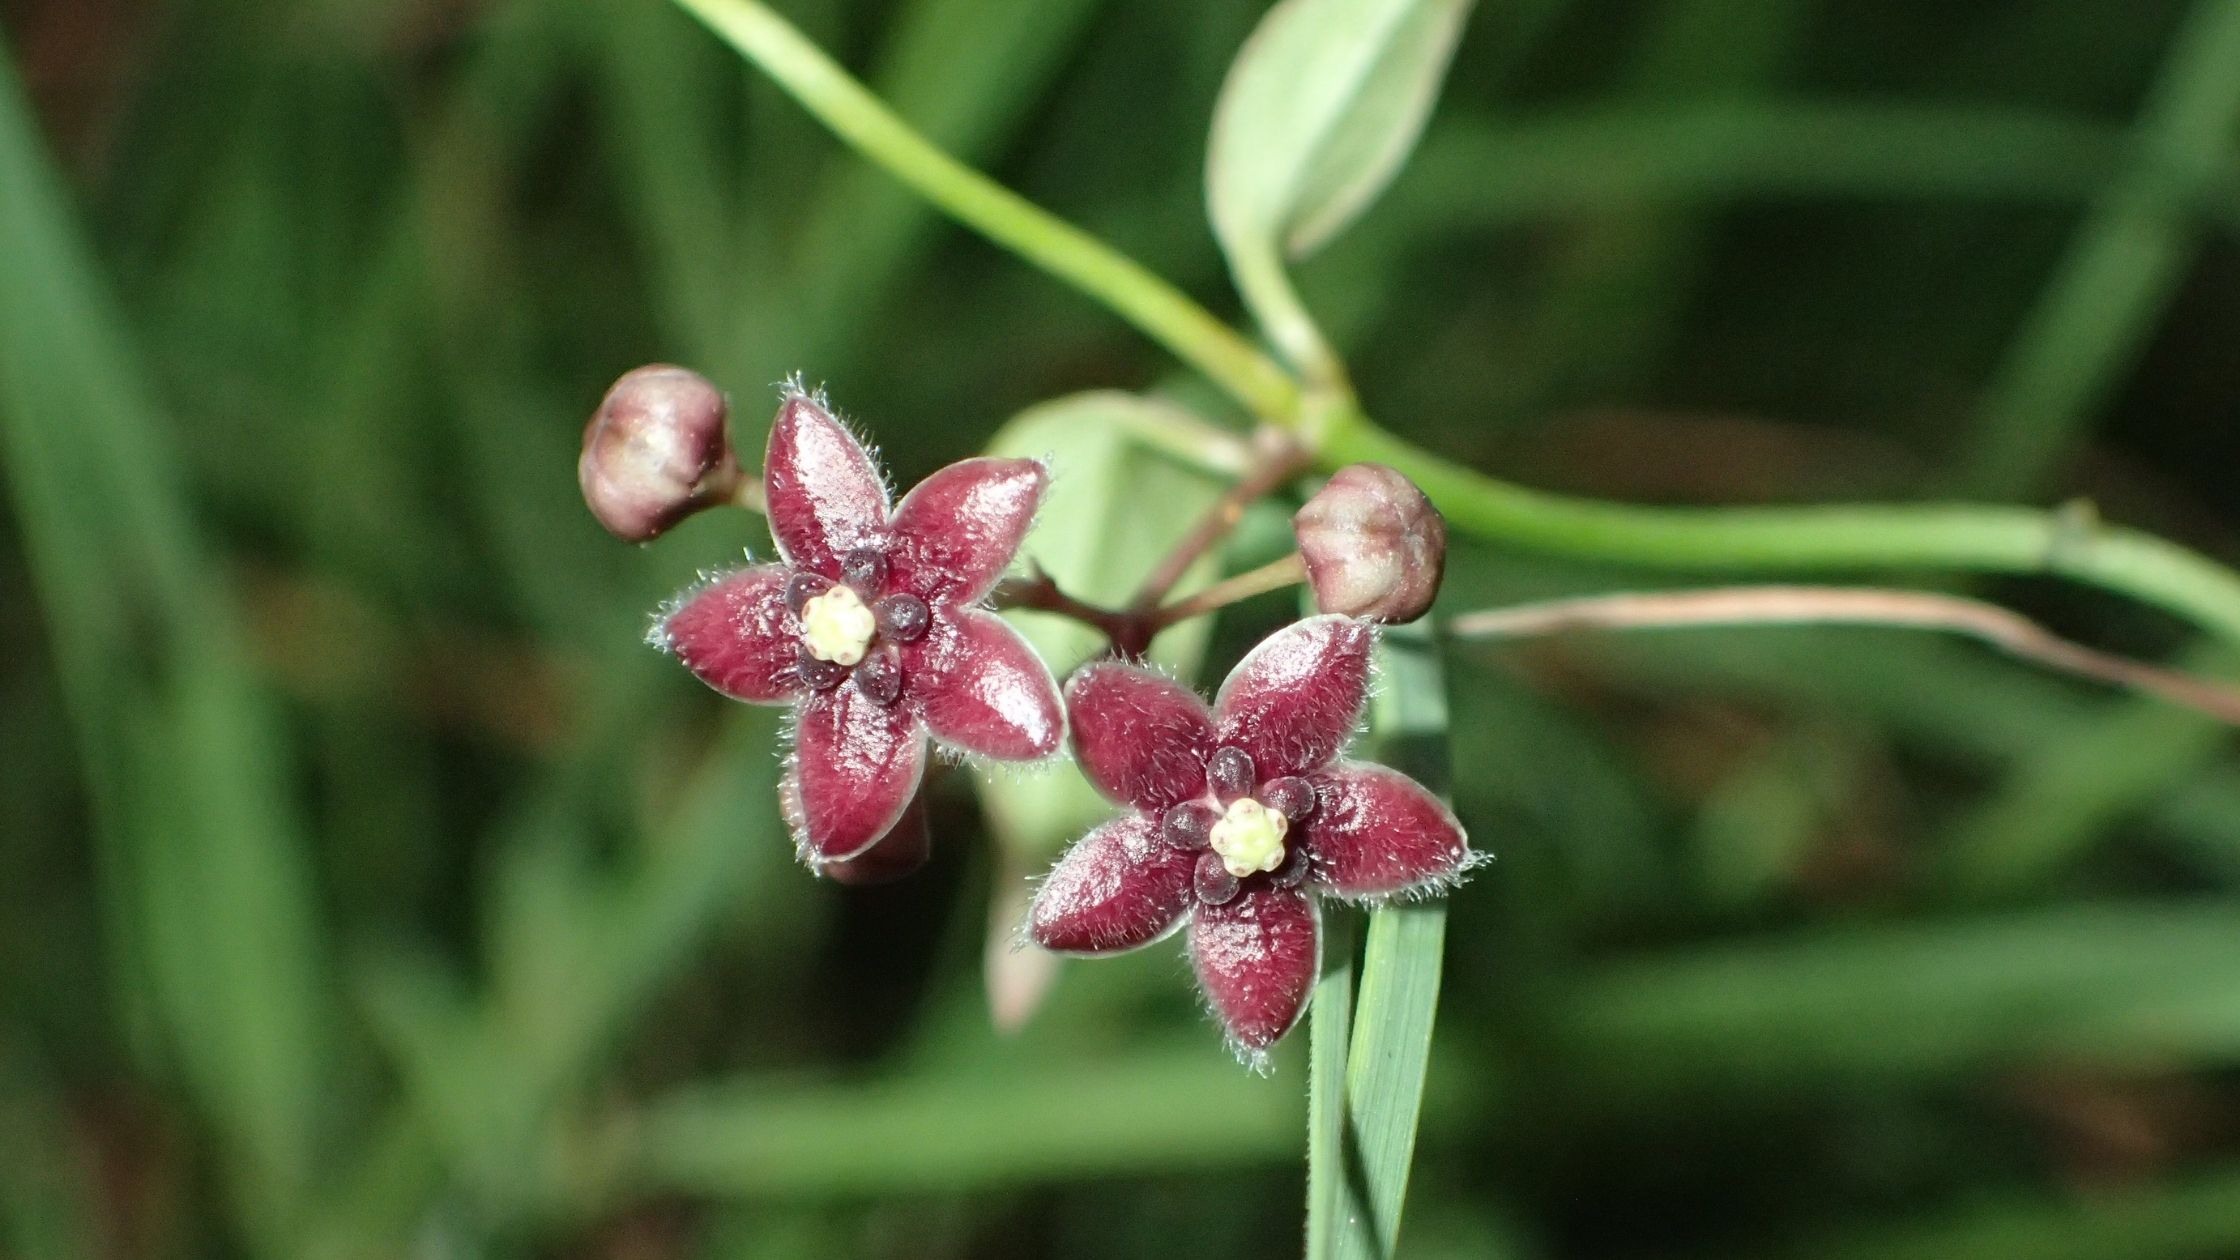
(873, 626)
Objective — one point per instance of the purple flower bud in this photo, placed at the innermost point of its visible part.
(652, 451)
(1373, 544)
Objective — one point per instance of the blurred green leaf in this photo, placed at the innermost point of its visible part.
(2193, 1215)
(2114, 986)
(212, 900)
(1319, 112)
(1155, 1111)
(48, 1210)
(1115, 506)
(1390, 1046)
(2120, 274)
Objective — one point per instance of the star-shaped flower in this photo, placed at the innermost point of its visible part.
(871, 628)
(1243, 815)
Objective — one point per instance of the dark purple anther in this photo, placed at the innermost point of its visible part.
(903, 618)
(865, 569)
(820, 675)
(880, 674)
(1189, 825)
(1212, 883)
(1289, 796)
(1231, 774)
(803, 587)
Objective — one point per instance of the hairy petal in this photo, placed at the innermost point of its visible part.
(826, 497)
(900, 852)
(1294, 700)
(1376, 832)
(983, 689)
(1116, 889)
(856, 764)
(957, 530)
(736, 635)
(1140, 736)
(1256, 958)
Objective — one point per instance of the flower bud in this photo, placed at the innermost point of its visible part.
(655, 452)
(1373, 544)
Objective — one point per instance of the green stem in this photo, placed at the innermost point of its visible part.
(1982, 539)
(842, 103)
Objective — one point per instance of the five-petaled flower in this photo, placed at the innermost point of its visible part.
(871, 628)
(1242, 815)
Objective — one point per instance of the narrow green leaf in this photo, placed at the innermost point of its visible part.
(1318, 113)
(1330, 1029)
(2121, 273)
(1354, 1208)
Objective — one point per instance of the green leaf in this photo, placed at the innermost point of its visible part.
(1354, 1207)
(1318, 113)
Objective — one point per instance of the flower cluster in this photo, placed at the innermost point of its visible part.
(873, 626)
(870, 628)
(1241, 816)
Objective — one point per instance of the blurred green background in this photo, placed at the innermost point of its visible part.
(370, 890)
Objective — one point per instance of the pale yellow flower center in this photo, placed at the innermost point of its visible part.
(837, 626)
(1249, 837)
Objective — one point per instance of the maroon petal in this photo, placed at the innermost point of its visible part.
(1257, 956)
(855, 766)
(900, 852)
(1141, 737)
(1376, 832)
(736, 635)
(825, 495)
(1116, 889)
(983, 689)
(955, 532)
(1292, 702)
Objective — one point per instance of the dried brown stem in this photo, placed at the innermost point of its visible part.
(1840, 605)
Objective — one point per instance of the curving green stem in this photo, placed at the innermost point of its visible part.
(2069, 542)
(1967, 538)
(844, 104)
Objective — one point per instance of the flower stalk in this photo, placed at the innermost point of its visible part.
(1278, 459)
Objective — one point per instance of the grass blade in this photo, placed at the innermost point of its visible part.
(208, 878)
(1359, 1203)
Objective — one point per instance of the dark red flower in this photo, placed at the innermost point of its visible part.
(871, 627)
(1243, 815)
